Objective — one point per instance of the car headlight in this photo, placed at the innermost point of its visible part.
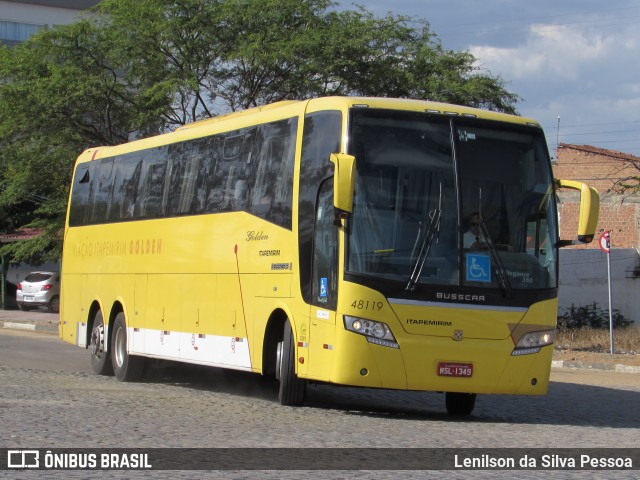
(531, 342)
(375, 332)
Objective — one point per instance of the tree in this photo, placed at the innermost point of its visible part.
(60, 93)
(140, 67)
(219, 56)
(628, 183)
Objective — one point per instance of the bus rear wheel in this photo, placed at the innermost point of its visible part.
(127, 368)
(292, 390)
(460, 403)
(100, 360)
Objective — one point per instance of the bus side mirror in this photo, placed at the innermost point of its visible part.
(344, 181)
(589, 209)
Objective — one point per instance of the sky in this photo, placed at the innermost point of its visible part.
(576, 60)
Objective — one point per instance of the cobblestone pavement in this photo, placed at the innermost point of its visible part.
(191, 407)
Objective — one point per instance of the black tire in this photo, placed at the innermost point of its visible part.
(54, 305)
(127, 368)
(100, 359)
(460, 403)
(23, 307)
(292, 390)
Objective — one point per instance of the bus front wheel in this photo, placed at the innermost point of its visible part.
(127, 368)
(100, 360)
(460, 403)
(292, 389)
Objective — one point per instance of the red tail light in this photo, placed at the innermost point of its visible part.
(46, 287)
(19, 287)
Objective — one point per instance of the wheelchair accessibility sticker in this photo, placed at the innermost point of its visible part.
(324, 287)
(478, 268)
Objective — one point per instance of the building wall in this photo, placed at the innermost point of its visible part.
(601, 169)
(618, 215)
(584, 279)
(583, 268)
(25, 17)
(598, 167)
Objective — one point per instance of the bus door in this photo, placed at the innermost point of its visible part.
(324, 285)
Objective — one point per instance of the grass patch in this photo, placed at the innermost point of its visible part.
(625, 340)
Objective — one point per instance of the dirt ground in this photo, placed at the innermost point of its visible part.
(595, 358)
(598, 378)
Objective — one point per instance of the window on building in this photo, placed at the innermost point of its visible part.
(14, 32)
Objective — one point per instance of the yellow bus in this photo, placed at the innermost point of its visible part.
(372, 242)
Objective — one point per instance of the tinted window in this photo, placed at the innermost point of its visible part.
(37, 277)
(321, 137)
(272, 172)
(81, 194)
(250, 169)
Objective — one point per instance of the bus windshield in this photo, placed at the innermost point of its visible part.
(451, 201)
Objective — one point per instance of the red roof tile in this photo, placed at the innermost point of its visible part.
(601, 151)
(18, 235)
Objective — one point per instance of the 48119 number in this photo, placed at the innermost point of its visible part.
(367, 305)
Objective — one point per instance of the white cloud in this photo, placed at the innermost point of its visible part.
(575, 59)
(548, 51)
(587, 77)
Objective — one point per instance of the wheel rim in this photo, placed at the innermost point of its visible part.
(120, 347)
(97, 340)
(55, 305)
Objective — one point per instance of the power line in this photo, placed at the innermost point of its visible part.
(596, 133)
(506, 27)
(528, 19)
(599, 124)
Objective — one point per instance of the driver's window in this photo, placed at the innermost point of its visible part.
(325, 250)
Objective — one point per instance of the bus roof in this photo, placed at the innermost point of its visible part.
(288, 108)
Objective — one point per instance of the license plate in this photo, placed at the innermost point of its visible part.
(455, 369)
(29, 299)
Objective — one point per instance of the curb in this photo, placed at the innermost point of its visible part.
(31, 327)
(594, 366)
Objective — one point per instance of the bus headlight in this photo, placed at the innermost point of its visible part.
(375, 332)
(531, 342)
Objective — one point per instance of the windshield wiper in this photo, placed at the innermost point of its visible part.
(433, 231)
(501, 272)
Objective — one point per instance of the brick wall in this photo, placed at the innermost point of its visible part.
(597, 167)
(601, 169)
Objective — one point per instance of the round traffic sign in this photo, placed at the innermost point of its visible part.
(605, 242)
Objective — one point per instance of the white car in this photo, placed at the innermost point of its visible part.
(39, 289)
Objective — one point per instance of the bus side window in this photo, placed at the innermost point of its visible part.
(127, 188)
(237, 153)
(213, 180)
(81, 195)
(271, 195)
(104, 192)
(185, 167)
(152, 182)
(205, 168)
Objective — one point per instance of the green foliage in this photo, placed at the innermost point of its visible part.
(590, 316)
(60, 94)
(141, 67)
